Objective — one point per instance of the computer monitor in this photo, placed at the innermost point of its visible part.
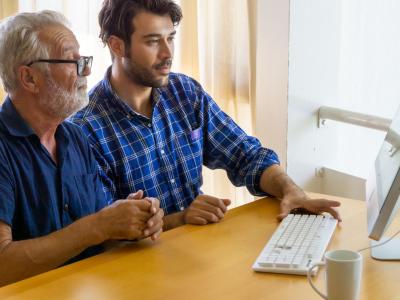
(384, 201)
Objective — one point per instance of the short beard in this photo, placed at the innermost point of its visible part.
(62, 103)
(142, 76)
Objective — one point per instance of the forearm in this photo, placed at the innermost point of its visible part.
(276, 182)
(173, 220)
(22, 259)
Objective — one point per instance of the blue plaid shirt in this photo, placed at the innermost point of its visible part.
(164, 155)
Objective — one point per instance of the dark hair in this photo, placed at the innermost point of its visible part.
(115, 17)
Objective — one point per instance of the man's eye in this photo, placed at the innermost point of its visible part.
(152, 42)
(171, 38)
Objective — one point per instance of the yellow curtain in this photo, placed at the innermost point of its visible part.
(7, 8)
(216, 46)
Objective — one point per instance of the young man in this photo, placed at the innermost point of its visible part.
(153, 130)
(52, 205)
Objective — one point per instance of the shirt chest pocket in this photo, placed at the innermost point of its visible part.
(188, 149)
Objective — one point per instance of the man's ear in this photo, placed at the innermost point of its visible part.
(117, 46)
(28, 79)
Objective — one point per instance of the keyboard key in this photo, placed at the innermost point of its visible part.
(297, 242)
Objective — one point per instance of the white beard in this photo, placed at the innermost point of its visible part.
(62, 103)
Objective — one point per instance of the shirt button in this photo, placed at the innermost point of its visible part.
(66, 207)
(149, 125)
(172, 180)
(181, 208)
(162, 151)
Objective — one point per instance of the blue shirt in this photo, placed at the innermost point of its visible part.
(163, 155)
(38, 196)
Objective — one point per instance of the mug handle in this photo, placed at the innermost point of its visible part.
(310, 281)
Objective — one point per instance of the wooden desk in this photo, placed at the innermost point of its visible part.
(207, 262)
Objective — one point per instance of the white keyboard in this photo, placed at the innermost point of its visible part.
(299, 241)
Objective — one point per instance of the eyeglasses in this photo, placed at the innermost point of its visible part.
(81, 64)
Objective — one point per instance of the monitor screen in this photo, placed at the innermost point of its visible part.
(384, 202)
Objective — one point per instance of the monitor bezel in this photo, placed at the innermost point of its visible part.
(380, 212)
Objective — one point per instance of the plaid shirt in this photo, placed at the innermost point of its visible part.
(164, 155)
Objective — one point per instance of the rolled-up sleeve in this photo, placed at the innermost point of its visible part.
(228, 147)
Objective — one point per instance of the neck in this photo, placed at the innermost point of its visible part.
(138, 97)
(43, 124)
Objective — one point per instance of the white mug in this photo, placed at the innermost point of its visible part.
(342, 275)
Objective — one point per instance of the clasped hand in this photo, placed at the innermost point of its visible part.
(206, 209)
(133, 218)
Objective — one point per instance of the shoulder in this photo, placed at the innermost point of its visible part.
(95, 106)
(183, 90)
(95, 114)
(179, 80)
(99, 91)
(8, 142)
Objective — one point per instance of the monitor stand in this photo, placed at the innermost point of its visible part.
(388, 251)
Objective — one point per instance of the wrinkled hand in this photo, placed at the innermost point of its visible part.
(206, 209)
(301, 200)
(124, 219)
(155, 223)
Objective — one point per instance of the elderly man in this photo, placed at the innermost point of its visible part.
(153, 130)
(52, 206)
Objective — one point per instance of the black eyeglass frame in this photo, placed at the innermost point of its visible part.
(81, 64)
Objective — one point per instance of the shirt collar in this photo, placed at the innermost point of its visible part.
(17, 126)
(125, 108)
(12, 120)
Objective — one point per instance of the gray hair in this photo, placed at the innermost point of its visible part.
(20, 44)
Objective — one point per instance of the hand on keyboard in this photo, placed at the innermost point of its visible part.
(299, 199)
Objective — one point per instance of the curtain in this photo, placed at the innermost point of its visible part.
(7, 8)
(216, 45)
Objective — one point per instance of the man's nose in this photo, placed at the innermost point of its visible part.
(166, 50)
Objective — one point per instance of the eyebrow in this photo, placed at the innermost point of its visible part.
(70, 47)
(153, 35)
(67, 50)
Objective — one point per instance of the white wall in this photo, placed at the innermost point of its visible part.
(369, 76)
(314, 55)
(344, 54)
(272, 75)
